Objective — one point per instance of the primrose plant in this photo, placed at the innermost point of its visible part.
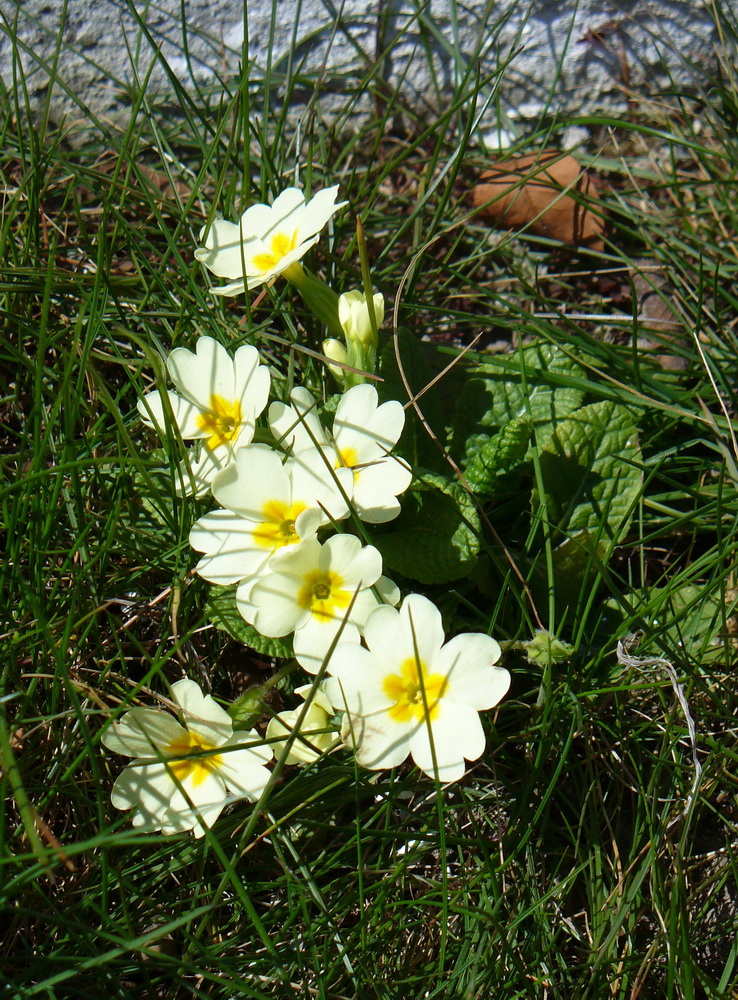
(298, 486)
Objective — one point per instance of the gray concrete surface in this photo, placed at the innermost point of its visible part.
(569, 56)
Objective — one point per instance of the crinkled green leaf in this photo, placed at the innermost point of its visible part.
(495, 396)
(590, 473)
(436, 537)
(222, 610)
(497, 455)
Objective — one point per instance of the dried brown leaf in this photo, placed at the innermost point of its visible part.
(545, 194)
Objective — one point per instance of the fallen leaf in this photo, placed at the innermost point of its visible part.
(531, 192)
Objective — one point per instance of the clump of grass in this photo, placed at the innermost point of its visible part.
(564, 864)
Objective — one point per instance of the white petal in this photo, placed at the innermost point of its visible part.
(467, 661)
(307, 523)
(222, 251)
(359, 566)
(360, 424)
(365, 602)
(185, 413)
(255, 477)
(388, 590)
(210, 532)
(275, 599)
(422, 626)
(313, 640)
(381, 631)
(259, 220)
(146, 787)
(227, 290)
(316, 696)
(231, 553)
(457, 734)
(381, 742)
(379, 510)
(297, 560)
(201, 375)
(243, 770)
(198, 828)
(243, 598)
(316, 483)
(201, 713)
(318, 211)
(392, 639)
(142, 732)
(356, 682)
(297, 426)
(249, 741)
(376, 488)
(252, 381)
(208, 796)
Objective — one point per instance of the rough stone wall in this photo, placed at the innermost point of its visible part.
(537, 56)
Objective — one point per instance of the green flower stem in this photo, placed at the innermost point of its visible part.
(317, 296)
(361, 356)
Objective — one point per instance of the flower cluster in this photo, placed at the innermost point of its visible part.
(292, 493)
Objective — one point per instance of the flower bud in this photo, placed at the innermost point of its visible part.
(314, 737)
(335, 350)
(353, 314)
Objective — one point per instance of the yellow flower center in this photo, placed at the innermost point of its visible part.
(322, 593)
(222, 421)
(349, 460)
(406, 692)
(198, 768)
(278, 527)
(279, 246)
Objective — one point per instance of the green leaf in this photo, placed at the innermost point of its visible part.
(496, 396)
(498, 454)
(590, 474)
(222, 610)
(436, 537)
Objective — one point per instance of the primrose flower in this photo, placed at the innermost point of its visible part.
(269, 239)
(183, 772)
(269, 506)
(218, 401)
(313, 738)
(311, 589)
(408, 687)
(353, 315)
(364, 434)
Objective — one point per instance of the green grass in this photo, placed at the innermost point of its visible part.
(563, 865)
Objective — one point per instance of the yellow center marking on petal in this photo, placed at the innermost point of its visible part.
(279, 245)
(349, 460)
(278, 527)
(222, 421)
(196, 767)
(406, 692)
(322, 593)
